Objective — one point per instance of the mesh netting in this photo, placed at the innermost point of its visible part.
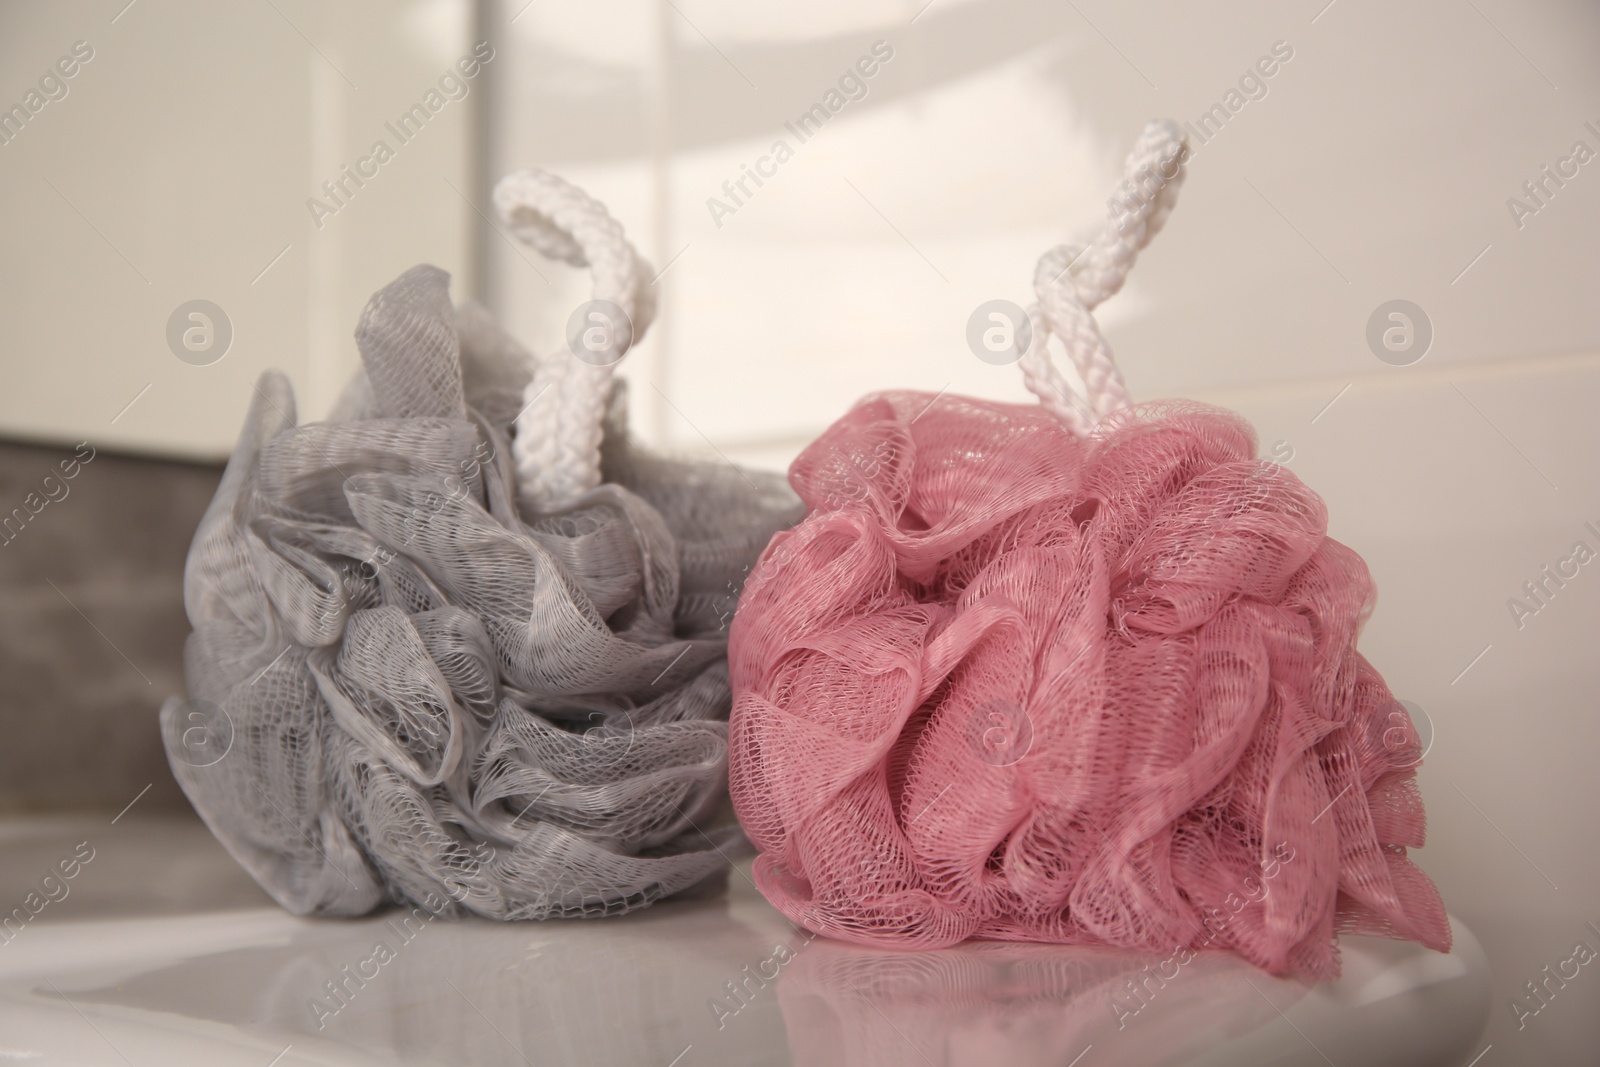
(408, 683)
(1003, 682)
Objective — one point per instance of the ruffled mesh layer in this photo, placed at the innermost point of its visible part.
(406, 684)
(1006, 683)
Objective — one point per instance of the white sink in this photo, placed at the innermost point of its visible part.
(162, 952)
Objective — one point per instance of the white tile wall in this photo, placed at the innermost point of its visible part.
(181, 161)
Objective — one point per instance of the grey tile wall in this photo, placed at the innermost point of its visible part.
(91, 623)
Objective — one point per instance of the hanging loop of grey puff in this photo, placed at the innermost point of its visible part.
(406, 686)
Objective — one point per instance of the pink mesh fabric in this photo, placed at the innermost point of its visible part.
(1005, 683)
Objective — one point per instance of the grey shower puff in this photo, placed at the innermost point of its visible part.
(402, 687)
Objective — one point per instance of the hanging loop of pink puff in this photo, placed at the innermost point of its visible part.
(1080, 672)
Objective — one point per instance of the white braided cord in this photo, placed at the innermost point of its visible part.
(1071, 280)
(557, 445)
(558, 433)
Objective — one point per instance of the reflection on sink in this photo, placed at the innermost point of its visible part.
(1012, 1003)
(981, 1003)
(717, 979)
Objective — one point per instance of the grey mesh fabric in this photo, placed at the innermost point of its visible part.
(410, 685)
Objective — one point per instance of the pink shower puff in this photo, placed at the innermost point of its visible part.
(1009, 682)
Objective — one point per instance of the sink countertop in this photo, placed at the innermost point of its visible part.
(158, 949)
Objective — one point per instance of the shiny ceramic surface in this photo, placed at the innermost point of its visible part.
(159, 951)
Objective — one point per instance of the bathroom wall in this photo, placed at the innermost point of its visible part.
(185, 160)
(1388, 156)
(91, 640)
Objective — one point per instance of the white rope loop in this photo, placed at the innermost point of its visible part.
(557, 445)
(1071, 280)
